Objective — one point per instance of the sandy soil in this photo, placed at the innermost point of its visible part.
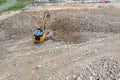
(85, 44)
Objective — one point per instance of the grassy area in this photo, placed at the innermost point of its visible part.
(2, 2)
(55, 0)
(20, 4)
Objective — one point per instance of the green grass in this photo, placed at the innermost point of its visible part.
(20, 4)
(2, 2)
(55, 0)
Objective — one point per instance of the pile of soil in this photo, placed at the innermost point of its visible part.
(102, 69)
(64, 31)
(16, 27)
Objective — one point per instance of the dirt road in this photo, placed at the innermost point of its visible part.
(95, 57)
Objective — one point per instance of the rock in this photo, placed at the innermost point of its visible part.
(79, 78)
(38, 66)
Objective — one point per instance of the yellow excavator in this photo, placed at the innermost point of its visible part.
(40, 34)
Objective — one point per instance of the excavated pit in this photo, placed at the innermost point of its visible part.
(64, 31)
(67, 23)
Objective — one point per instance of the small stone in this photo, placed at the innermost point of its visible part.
(100, 40)
(57, 47)
(118, 78)
(38, 66)
(67, 78)
(96, 51)
(79, 78)
(13, 36)
(90, 77)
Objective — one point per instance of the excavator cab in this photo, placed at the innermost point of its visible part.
(39, 35)
(39, 38)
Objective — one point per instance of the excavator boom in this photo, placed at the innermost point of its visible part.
(46, 15)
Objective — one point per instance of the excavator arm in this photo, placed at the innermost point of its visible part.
(46, 15)
(37, 21)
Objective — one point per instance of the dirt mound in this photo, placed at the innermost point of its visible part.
(64, 31)
(102, 69)
(16, 27)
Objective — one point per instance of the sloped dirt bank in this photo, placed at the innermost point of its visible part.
(16, 27)
(102, 69)
(67, 22)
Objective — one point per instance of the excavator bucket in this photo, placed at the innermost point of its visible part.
(48, 15)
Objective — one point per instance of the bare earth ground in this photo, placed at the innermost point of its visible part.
(85, 44)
